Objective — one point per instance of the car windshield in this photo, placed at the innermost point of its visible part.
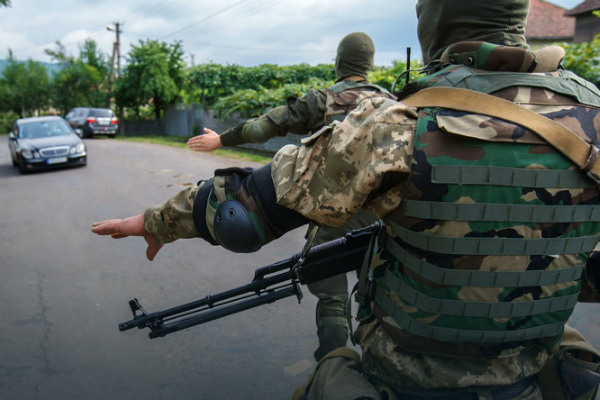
(101, 112)
(41, 129)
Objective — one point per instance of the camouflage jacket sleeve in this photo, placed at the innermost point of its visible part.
(300, 116)
(362, 161)
(233, 136)
(173, 218)
(303, 115)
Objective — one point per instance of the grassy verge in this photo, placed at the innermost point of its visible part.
(180, 141)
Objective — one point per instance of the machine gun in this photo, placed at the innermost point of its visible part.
(271, 283)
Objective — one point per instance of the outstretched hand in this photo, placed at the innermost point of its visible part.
(132, 226)
(209, 141)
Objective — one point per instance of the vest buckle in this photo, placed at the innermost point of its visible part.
(593, 177)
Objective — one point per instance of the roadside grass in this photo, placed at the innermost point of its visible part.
(180, 141)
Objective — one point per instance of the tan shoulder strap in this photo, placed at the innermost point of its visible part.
(582, 153)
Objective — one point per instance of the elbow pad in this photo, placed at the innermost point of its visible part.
(238, 210)
(234, 229)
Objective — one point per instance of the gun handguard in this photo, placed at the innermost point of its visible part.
(328, 259)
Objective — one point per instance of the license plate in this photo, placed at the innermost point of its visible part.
(103, 121)
(56, 160)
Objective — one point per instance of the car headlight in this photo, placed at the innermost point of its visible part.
(78, 148)
(27, 154)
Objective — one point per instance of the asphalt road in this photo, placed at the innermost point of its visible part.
(63, 290)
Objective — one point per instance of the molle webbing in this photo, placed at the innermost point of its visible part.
(463, 277)
(476, 309)
(506, 176)
(496, 245)
(444, 334)
(500, 212)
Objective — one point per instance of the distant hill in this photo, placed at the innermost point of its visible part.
(50, 67)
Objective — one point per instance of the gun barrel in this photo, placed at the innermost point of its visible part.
(220, 312)
(125, 326)
(155, 321)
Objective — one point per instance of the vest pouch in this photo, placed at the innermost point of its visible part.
(574, 373)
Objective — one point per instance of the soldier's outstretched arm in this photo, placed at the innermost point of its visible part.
(235, 209)
(360, 162)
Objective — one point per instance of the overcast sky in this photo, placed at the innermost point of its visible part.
(246, 32)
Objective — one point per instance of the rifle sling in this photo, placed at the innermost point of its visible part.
(573, 146)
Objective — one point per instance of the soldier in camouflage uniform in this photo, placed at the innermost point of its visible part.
(489, 229)
(317, 108)
(301, 116)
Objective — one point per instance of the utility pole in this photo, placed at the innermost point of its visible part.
(116, 54)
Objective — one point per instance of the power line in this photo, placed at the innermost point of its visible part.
(269, 49)
(227, 19)
(203, 19)
(238, 14)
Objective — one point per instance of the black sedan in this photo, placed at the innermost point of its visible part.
(45, 142)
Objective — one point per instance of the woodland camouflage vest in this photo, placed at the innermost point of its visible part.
(487, 247)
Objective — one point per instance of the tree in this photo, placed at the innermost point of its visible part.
(81, 81)
(153, 76)
(25, 87)
(5, 3)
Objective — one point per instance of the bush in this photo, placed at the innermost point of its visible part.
(584, 59)
(250, 103)
(7, 120)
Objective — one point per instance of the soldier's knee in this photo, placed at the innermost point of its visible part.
(338, 376)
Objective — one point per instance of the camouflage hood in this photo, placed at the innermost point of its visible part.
(444, 22)
(354, 56)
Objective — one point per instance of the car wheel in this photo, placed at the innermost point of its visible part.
(22, 169)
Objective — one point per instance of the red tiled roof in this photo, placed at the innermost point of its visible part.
(547, 20)
(586, 6)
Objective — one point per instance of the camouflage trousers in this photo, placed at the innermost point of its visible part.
(339, 376)
(331, 313)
